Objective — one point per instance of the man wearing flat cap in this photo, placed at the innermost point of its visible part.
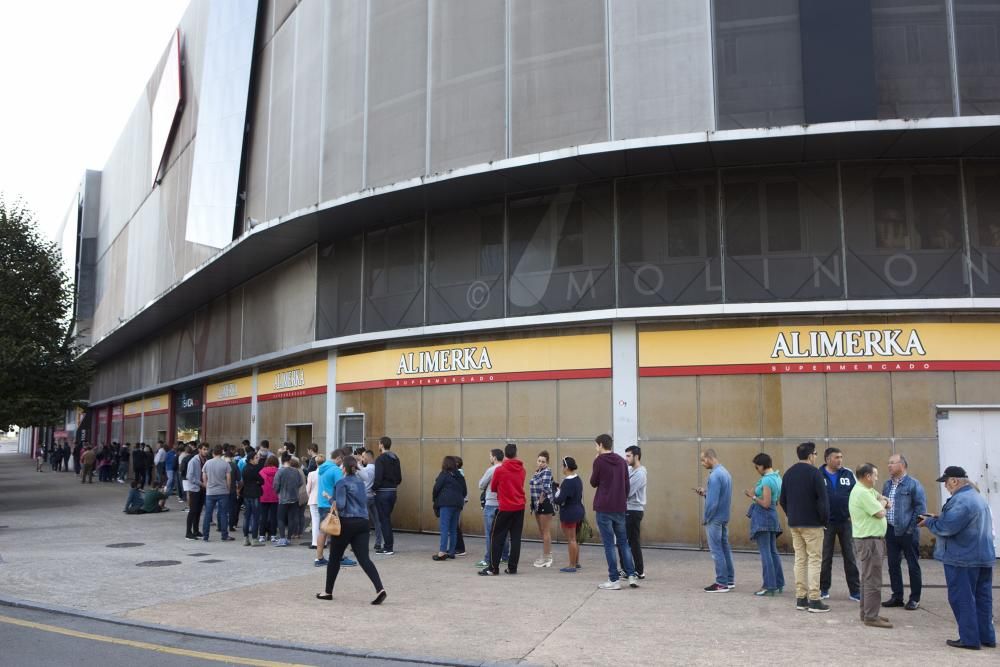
(964, 532)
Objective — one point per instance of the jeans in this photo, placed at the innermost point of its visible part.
(717, 533)
(251, 520)
(211, 502)
(870, 551)
(373, 519)
(970, 594)
(123, 470)
(489, 515)
(170, 483)
(808, 545)
(611, 525)
(269, 519)
(353, 532)
(897, 547)
(632, 520)
(842, 532)
(770, 560)
(448, 525)
(385, 500)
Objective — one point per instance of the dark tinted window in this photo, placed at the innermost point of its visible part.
(394, 277)
(338, 290)
(982, 191)
(977, 36)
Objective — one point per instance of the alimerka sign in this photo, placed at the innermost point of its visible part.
(863, 348)
(521, 359)
(292, 382)
(237, 391)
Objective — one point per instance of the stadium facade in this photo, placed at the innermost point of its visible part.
(691, 224)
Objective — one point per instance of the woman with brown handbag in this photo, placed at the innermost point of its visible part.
(351, 505)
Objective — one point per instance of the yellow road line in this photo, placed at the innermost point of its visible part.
(216, 657)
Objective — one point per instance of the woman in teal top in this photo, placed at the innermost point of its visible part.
(764, 524)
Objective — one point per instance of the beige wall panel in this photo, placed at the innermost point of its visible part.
(274, 416)
(410, 496)
(442, 411)
(858, 452)
(673, 511)
(532, 409)
(794, 405)
(978, 387)
(730, 405)
(668, 406)
(858, 404)
(432, 452)
(230, 423)
(914, 397)
(922, 455)
(131, 430)
(372, 403)
(736, 457)
(584, 408)
(484, 410)
(155, 424)
(402, 412)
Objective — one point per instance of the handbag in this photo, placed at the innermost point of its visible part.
(331, 523)
(584, 531)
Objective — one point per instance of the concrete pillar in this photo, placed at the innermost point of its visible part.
(625, 385)
(253, 410)
(332, 427)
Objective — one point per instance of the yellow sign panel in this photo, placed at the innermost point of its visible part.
(293, 381)
(543, 358)
(821, 349)
(157, 405)
(231, 392)
(133, 409)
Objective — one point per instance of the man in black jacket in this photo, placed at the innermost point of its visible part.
(804, 500)
(839, 482)
(388, 476)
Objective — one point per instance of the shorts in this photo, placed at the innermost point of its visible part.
(545, 507)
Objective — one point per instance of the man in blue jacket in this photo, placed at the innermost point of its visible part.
(964, 532)
(718, 494)
(907, 501)
(840, 482)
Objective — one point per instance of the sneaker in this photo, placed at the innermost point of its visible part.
(730, 586)
(633, 581)
(274, 540)
(854, 597)
(387, 552)
(481, 564)
(191, 538)
(818, 606)
(802, 604)
(568, 570)
(507, 570)
(544, 562)
(641, 575)
(876, 622)
(281, 543)
(347, 562)
(824, 595)
(893, 602)
(320, 562)
(610, 586)
(228, 538)
(717, 588)
(912, 605)
(764, 593)
(260, 540)
(459, 553)
(378, 548)
(487, 572)
(246, 541)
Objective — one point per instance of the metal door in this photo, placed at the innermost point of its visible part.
(970, 438)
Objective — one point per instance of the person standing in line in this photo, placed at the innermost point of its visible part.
(247, 452)
(65, 456)
(867, 511)
(610, 477)
(186, 452)
(264, 451)
(540, 487)
(39, 459)
(312, 451)
(367, 474)
(490, 508)
(388, 477)
(150, 465)
(350, 501)
(964, 531)
(508, 484)
(286, 485)
(907, 501)
(806, 504)
(269, 501)
(229, 456)
(123, 460)
(448, 498)
(252, 488)
(765, 525)
(170, 468)
(89, 459)
(312, 489)
(193, 478)
(160, 463)
(298, 523)
(718, 495)
(139, 464)
(217, 479)
(839, 482)
(77, 451)
(635, 507)
(569, 497)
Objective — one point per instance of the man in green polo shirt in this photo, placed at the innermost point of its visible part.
(868, 524)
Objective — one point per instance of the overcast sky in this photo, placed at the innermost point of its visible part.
(71, 72)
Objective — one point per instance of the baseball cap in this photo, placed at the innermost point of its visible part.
(952, 471)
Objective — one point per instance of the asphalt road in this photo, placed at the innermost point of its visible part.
(41, 639)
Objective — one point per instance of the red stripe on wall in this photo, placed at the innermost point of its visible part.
(135, 416)
(153, 413)
(229, 401)
(821, 367)
(292, 393)
(477, 378)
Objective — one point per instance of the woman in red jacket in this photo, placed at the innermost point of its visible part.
(269, 501)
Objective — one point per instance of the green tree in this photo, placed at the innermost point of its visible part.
(41, 372)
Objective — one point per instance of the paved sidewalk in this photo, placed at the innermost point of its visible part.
(54, 534)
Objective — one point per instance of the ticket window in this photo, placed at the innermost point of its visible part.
(299, 434)
(352, 430)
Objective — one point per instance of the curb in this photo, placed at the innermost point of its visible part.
(18, 603)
